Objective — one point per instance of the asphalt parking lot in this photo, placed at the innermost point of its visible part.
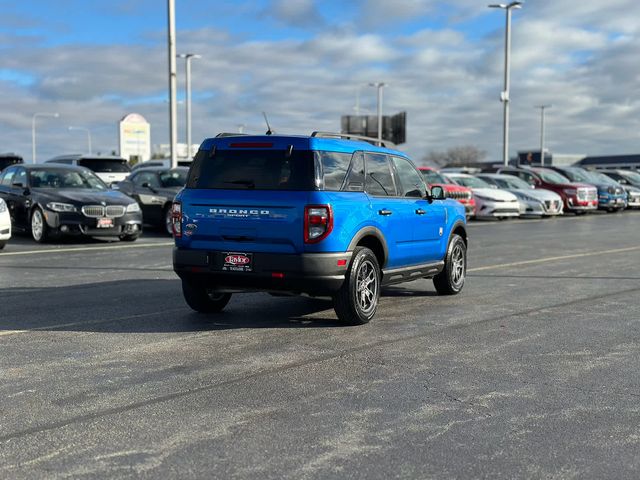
(532, 372)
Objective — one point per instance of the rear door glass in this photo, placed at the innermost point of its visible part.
(334, 168)
(253, 170)
(379, 181)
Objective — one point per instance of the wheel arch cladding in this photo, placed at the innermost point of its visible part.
(459, 229)
(373, 240)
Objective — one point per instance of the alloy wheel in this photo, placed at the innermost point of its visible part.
(37, 225)
(457, 265)
(367, 287)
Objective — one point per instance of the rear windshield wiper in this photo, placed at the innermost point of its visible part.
(247, 183)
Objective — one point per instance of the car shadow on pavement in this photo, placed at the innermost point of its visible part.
(148, 306)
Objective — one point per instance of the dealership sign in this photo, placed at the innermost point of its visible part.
(135, 138)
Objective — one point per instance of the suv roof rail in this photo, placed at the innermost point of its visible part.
(228, 134)
(349, 136)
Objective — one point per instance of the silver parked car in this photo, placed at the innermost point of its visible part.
(533, 201)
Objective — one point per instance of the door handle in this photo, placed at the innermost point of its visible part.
(384, 212)
(420, 211)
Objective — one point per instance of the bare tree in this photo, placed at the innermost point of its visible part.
(455, 156)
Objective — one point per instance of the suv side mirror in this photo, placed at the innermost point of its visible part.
(437, 193)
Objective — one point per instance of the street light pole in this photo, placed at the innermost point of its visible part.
(88, 135)
(542, 109)
(188, 57)
(504, 97)
(173, 126)
(33, 131)
(379, 86)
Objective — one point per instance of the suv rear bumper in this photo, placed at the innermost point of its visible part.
(312, 273)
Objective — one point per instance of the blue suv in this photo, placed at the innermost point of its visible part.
(322, 215)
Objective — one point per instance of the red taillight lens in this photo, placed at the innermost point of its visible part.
(176, 219)
(318, 222)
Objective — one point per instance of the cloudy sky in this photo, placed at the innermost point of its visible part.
(302, 61)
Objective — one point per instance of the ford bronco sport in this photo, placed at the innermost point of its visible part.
(322, 215)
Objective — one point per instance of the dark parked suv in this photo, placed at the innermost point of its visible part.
(322, 215)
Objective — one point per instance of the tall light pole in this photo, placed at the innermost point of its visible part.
(33, 130)
(542, 109)
(173, 125)
(188, 57)
(379, 86)
(504, 96)
(88, 135)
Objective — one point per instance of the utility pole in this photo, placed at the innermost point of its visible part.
(504, 96)
(542, 109)
(173, 126)
(379, 86)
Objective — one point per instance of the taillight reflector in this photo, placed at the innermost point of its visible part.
(176, 219)
(318, 222)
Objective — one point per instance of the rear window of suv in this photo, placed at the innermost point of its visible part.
(104, 165)
(253, 170)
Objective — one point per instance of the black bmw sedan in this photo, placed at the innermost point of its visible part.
(49, 200)
(154, 188)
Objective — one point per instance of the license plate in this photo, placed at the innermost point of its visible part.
(237, 262)
(105, 223)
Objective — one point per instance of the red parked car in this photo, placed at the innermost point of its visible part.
(577, 197)
(451, 190)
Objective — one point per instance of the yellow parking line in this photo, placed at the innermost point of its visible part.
(552, 259)
(87, 249)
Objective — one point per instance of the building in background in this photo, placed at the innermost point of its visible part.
(163, 150)
(134, 135)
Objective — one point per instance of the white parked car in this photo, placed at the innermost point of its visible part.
(5, 224)
(109, 169)
(538, 201)
(491, 202)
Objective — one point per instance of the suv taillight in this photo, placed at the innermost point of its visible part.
(318, 222)
(176, 219)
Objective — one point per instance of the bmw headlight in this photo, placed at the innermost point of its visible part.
(61, 207)
(133, 208)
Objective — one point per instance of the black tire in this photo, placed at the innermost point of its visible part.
(39, 228)
(451, 280)
(363, 275)
(129, 238)
(3, 244)
(203, 300)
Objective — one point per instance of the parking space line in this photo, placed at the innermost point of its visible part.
(87, 249)
(551, 259)
(6, 333)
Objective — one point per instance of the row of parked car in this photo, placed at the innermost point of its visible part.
(504, 192)
(84, 195)
(102, 196)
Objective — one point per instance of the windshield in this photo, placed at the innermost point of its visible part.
(60, 178)
(577, 175)
(431, 176)
(602, 178)
(105, 165)
(472, 182)
(512, 182)
(633, 176)
(253, 170)
(550, 176)
(174, 178)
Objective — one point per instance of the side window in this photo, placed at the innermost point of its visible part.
(20, 177)
(410, 180)
(355, 177)
(334, 169)
(8, 176)
(527, 177)
(379, 180)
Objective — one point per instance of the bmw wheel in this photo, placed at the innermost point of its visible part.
(204, 300)
(357, 300)
(39, 226)
(451, 280)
